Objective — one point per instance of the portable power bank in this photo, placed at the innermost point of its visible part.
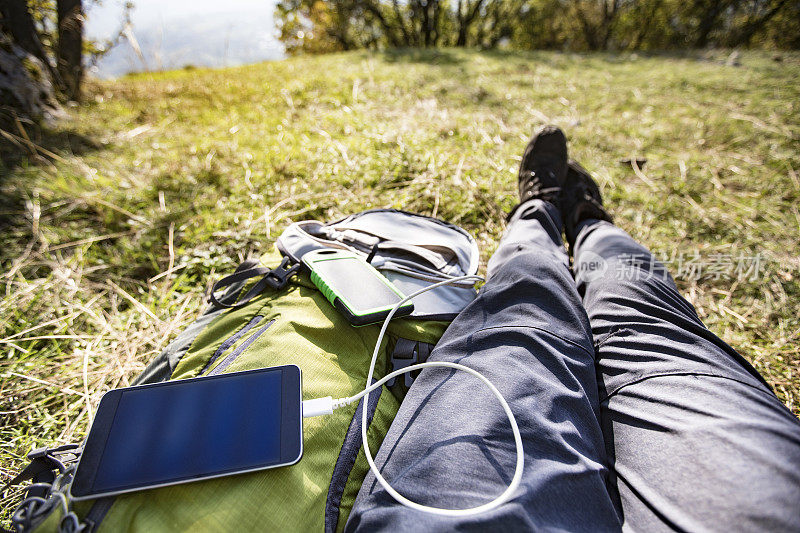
(354, 287)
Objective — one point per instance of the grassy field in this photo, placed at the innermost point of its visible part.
(115, 222)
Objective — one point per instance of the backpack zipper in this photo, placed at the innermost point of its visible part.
(230, 341)
(231, 357)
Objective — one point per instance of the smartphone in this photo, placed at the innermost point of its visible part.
(175, 432)
(358, 291)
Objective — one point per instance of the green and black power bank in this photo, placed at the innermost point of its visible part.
(358, 291)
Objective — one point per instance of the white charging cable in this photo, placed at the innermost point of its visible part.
(326, 405)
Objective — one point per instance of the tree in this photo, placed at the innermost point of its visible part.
(465, 17)
(708, 13)
(45, 39)
(326, 25)
(26, 73)
(26, 90)
(69, 52)
(782, 30)
(757, 15)
(17, 22)
(596, 18)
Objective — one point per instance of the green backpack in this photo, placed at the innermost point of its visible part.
(271, 314)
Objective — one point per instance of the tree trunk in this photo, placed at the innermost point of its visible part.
(401, 23)
(589, 31)
(70, 46)
(461, 39)
(18, 23)
(465, 21)
(425, 9)
(708, 21)
(609, 18)
(437, 22)
(462, 34)
(25, 86)
(646, 22)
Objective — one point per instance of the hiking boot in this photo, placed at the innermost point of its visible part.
(544, 166)
(580, 200)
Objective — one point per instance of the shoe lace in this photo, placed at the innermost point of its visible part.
(532, 184)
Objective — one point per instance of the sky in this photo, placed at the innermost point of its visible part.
(176, 33)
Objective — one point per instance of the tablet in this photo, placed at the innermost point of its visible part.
(187, 430)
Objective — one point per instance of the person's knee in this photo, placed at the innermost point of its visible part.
(526, 264)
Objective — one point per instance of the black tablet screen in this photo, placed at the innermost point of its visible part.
(189, 430)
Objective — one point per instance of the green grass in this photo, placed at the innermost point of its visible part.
(161, 182)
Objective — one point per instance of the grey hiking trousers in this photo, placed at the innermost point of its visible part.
(633, 415)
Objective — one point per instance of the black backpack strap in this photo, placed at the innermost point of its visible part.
(97, 513)
(275, 278)
(406, 353)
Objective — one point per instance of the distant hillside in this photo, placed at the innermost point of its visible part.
(238, 35)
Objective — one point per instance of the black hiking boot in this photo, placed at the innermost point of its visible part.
(544, 166)
(580, 200)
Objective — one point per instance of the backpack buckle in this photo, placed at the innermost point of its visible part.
(278, 277)
(38, 453)
(406, 353)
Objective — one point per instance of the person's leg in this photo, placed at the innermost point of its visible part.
(451, 445)
(697, 439)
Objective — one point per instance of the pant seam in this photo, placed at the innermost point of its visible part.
(667, 374)
(590, 353)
